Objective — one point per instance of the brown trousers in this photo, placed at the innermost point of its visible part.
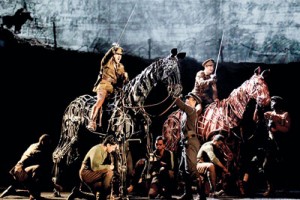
(99, 181)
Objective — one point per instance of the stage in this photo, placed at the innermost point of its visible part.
(292, 194)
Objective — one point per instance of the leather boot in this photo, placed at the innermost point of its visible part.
(187, 195)
(241, 188)
(201, 195)
(57, 189)
(269, 191)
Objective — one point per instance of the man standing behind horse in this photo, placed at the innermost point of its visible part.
(278, 122)
(112, 75)
(191, 145)
(206, 84)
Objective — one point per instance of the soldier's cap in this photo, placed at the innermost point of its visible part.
(206, 61)
(118, 50)
(197, 99)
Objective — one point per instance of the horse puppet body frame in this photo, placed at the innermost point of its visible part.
(223, 115)
(126, 114)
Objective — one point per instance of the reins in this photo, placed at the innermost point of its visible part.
(149, 105)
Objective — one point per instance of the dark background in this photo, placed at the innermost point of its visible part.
(39, 82)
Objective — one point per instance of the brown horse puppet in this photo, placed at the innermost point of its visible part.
(223, 115)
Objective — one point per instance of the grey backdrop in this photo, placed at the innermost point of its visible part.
(254, 30)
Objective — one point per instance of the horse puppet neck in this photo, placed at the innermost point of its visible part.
(227, 114)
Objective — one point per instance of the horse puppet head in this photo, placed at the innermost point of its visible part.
(259, 90)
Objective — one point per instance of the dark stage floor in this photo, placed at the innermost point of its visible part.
(49, 195)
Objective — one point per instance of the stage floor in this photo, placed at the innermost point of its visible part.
(49, 195)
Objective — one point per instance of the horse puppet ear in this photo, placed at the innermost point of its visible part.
(174, 52)
(257, 70)
(181, 55)
(265, 74)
